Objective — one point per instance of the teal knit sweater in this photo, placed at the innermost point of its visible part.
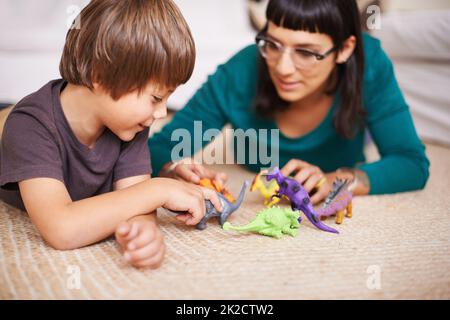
(227, 97)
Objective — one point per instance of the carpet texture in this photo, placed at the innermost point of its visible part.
(395, 246)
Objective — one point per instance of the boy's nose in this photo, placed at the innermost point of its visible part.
(160, 113)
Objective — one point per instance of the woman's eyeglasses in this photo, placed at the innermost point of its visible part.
(272, 51)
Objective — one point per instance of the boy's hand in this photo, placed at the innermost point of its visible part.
(193, 173)
(183, 197)
(141, 241)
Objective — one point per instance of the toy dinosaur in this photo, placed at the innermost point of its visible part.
(216, 186)
(227, 208)
(338, 200)
(267, 191)
(298, 197)
(272, 222)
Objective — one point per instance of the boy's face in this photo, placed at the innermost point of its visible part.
(132, 112)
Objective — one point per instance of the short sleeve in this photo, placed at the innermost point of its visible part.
(134, 158)
(28, 150)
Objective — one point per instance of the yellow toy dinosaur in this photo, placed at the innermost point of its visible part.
(267, 191)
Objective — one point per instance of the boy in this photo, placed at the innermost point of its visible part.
(74, 153)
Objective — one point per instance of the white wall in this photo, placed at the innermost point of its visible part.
(32, 35)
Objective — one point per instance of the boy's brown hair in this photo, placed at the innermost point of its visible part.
(125, 44)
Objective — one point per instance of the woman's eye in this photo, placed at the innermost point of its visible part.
(271, 45)
(304, 53)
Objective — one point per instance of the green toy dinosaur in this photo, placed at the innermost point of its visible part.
(272, 222)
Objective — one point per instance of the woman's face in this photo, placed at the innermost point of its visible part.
(294, 83)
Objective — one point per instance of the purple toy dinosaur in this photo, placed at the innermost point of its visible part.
(298, 197)
(338, 200)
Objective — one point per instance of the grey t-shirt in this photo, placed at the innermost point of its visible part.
(38, 142)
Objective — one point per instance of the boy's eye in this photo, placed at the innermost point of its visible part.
(157, 99)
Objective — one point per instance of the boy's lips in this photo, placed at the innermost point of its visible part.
(141, 127)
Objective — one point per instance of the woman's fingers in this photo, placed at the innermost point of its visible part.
(321, 194)
(292, 166)
(305, 173)
(221, 177)
(313, 181)
(185, 172)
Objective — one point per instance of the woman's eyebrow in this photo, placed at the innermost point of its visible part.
(303, 45)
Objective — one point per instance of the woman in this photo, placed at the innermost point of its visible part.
(313, 75)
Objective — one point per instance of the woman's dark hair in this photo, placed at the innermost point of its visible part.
(339, 19)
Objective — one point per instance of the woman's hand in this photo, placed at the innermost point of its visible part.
(192, 172)
(310, 177)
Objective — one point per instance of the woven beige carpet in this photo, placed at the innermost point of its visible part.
(395, 246)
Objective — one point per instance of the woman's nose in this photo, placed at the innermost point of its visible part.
(285, 65)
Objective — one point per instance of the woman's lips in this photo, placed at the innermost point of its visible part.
(288, 85)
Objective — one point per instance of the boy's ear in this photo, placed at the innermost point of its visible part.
(347, 50)
(96, 86)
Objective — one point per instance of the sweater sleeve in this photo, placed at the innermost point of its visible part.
(209, 108)
(403, 165)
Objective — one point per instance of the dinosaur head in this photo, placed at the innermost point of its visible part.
(275, 174)
(256, 181)
(287, 186)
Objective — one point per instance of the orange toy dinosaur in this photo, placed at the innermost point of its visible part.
(216, 186)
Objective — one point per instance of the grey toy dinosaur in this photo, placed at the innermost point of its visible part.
(227, 206)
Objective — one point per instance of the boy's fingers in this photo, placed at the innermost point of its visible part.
(134, 231)
(197, 212)
(145, 252)
(144, 238)
(122, 229)
(213, 197)
(121, 232)
(183, 217)
(152, 262)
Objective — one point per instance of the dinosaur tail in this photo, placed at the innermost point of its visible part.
(314, 218)
(235, 205)
(252, 226)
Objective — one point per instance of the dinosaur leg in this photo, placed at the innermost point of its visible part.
(349, 210)
(340, 216)
(271, 233)
(272, 203)
(288, 230)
